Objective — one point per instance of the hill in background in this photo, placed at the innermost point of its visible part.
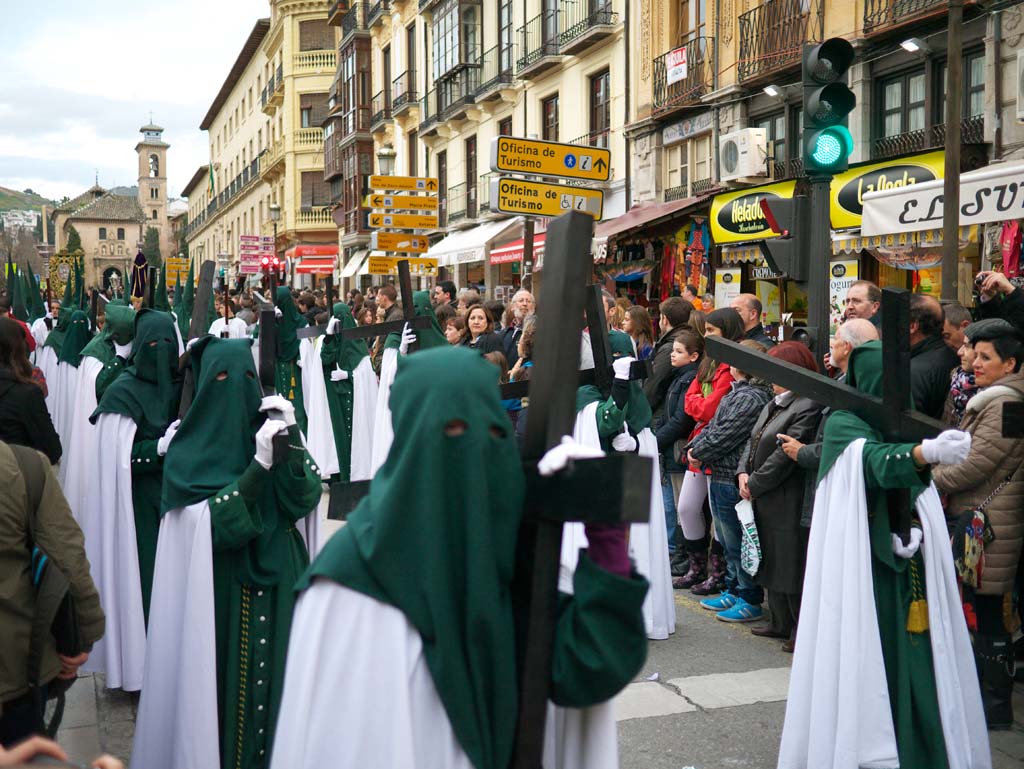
(12, 200)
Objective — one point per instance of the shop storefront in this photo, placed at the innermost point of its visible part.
(311, 263)
(465, 255)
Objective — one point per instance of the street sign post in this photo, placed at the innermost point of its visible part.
(410, 183)
(388, 265)
(520, 196)
(403, 202)
(404, 221)
(399, 241)
(541, 158)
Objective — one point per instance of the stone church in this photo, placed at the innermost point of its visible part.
(112, 224)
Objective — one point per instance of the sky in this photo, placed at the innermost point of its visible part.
(78, 79)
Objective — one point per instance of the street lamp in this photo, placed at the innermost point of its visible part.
(275, 217)
(386, 160)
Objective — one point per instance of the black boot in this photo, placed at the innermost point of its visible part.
(994, 658)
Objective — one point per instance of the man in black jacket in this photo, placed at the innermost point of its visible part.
(673, 316)
(387, 300)
(931, 360)
(749, 308)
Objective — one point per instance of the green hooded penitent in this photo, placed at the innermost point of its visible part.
(55, 338)
(428, 337)
(36, 308)
(289, 375)
(160, 301)
(147, 392)
(636, 412)
(257, 552)
(187, 291)
(16, 291)
(76, 338)
(451, 504)
(909, 668)
(119, 328)
(346, 354)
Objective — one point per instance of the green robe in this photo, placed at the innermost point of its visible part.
(287, 374)
(345, 354)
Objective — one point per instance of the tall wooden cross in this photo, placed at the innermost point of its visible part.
(196, 328)
(891, 414)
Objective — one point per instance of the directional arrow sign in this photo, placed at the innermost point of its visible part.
(420, 183)
(404, 202)
(540, 158)
(518, 196)
(399, 241)
(388, 265)
(404, 221)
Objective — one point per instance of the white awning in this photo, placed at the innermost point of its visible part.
(474, 244)
(352, 265)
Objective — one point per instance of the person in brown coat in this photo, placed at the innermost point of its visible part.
(991, 480)
(775, 485)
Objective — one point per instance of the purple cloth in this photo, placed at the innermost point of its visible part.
(608, 547)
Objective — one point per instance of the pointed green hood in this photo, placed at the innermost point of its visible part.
(289, 322)
(36, 307)
(461, 536)
(76, 338)
(16, 291)
(429, 337)
(160, 300)
(55, 338)
(118, 327)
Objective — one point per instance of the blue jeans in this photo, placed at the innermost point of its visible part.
(724, 497)
(668, 495)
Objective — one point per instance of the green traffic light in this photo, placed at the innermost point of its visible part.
(828, 148)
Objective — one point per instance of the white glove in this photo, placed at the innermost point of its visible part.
(191, 343)
(265, 442)
(907, 551)
(951, 447)
(285, 410)
(333, 326)
(621, 367)
(624, 442)
(339, 375)
(164, 442)
(558, 457)
(278, 313)
(408, 338)
(123, 350)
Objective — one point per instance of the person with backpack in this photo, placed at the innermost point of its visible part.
(46, 629)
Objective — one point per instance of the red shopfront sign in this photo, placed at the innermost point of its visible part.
(513, 252)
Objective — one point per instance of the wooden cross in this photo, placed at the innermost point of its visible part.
(196, 328)
(269, 341)
(225, 332)
(612, 489)
(891, 414)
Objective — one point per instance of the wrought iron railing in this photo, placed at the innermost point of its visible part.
(483, 192)
(403, 90)
(577, 17)
(787, 169)
(688, 88)
(884, 13)
(428, 110)
(279, 79)
(539, 39)
(381, 108)
(457, 202)
(457, 90)
(593, 139)
(249, 173)
(773, 34)
(496, 68)
(972, 131)
(354, 21)
(376, 12)
(338, 7)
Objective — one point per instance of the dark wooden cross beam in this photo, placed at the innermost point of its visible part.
(225, 332)
(891, 414)
(329, 295)
(269, 341)
(149, 300)
(196, 328)
(612, 489)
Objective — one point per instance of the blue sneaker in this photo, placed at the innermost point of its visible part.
(720, 603)
(741, 611)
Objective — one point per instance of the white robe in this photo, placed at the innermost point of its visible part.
(648, 542)
(383, 671)
(64, 403)
(838, 713)
(107, 518)
(236, 328)
(46, 361)
(383, 431)
(39, 333)
(81, 454)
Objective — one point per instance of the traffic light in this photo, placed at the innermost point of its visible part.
(827, 142)
(790, 218)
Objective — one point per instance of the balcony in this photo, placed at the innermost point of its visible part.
(242, 182)
(683, 191)
(273, 94)
(315, 62)
(429, 114)
(309, 140)
(462, 204)
(539, 45)
(426, 5)
(456, 91)
(272, 165)
(353, 124)
(773, 34)
(381, 110)
(353, 23)
(315, 218)
(687, 90)
(495, 73)
(483, 191)
(888, 15)
(403, 93)
(786, 169)
(338, 10)
(592, 139)
(972, 131)
(584, 23)
(376, 13)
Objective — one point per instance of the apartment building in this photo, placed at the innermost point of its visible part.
(438, 80)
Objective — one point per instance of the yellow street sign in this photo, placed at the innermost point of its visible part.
(388, 265)
(404, 221)
(405, 202)
(540, 158)
(518, 196)
(399, 241)
(420, 183)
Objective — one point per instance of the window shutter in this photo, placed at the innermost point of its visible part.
(315, 35)
(317, 104)
(307, 189)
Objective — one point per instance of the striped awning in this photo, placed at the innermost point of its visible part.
(742, 253)
(852, 242)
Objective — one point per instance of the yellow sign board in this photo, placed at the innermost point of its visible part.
(518, 196)
(403, 202)
(404, 221)
(175, 265)
(846, 204)
(399, 241)
(541, 158)
(736, 217)
(388, 265)
(411, 183)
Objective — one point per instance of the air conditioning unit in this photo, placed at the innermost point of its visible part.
(742, 154)
(1020, 84)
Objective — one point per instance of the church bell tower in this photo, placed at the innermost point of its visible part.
(152, 152)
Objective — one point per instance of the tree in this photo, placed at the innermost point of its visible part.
(37, 231)
(74, 240)
(151, 247)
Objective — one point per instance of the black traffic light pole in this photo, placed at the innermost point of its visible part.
(820, 249)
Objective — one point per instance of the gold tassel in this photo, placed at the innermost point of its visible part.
(917, 617)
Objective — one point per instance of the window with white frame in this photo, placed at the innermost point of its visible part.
(686, 164)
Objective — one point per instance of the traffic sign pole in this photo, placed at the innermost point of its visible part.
(820, 245)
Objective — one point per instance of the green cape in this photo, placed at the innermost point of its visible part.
(148, 389)
(55, 338)
(76, 339)
(428, 337)
(160, 301)
(118, 327)
(289, 322)
(461, 536)
(36, 308)
(638, 409)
